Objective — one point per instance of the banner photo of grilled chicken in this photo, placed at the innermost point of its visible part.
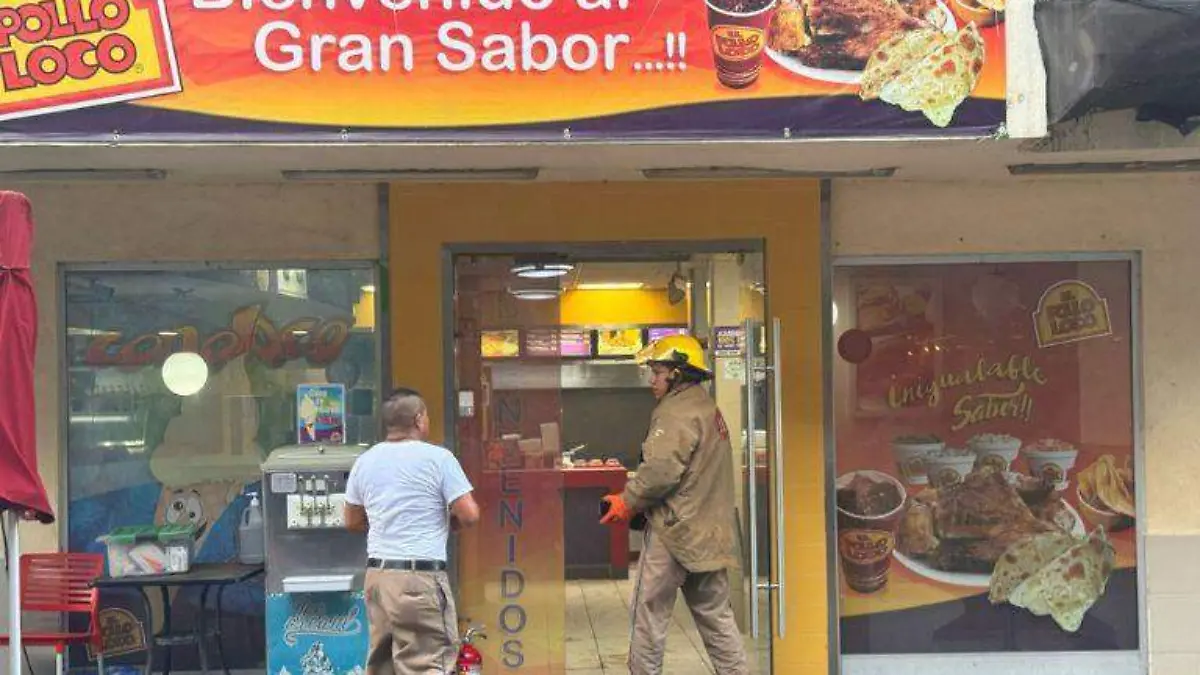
(919, 55)
(832, 40)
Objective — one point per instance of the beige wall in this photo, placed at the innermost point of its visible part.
(1156, 216)
(148, 222)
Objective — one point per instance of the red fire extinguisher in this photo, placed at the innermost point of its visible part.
(470, 661)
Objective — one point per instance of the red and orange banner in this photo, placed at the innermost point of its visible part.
(499, 69)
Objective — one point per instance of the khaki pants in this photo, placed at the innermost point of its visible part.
(414, 627)
(659, 579)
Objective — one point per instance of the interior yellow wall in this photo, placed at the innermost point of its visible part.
(786, 214)
(610, 307)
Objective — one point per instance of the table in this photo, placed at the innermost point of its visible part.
(204, 575)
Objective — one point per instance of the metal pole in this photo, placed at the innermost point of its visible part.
(12, 523)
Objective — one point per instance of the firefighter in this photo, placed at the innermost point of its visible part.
(684, 486)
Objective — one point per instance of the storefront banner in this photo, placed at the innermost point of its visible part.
(985, 459)
(369, 70)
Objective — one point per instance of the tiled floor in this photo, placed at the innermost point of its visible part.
(598, 632)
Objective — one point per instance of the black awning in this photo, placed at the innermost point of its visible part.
(1122, 54)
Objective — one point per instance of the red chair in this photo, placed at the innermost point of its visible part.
(62, 583)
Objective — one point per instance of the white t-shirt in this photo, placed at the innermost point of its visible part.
(406, 489)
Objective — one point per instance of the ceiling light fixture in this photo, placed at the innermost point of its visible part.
(728, 172)
(534, 293)
(434, 175)
(541, 270)
(611, 286)
(1165, 166)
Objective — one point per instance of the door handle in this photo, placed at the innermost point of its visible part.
(780, 550)
(752, 475)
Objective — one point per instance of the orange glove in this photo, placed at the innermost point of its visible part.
(618, 512)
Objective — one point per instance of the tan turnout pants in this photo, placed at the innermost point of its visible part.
(414, 626)
(660, 578)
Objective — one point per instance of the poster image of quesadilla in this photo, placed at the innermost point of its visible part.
(832, 40)
(927, 72)
(1054, 574)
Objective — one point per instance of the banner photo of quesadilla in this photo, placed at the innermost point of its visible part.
(925, 70)
(1054, 574)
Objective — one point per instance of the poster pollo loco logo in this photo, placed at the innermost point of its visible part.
(66, 54)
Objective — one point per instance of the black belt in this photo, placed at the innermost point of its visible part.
(410, 565)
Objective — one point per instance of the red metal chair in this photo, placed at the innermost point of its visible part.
(62, 583)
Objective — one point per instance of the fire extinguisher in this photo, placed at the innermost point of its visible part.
(470, 661)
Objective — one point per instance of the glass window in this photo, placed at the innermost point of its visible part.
(985, 457)
(180, 382)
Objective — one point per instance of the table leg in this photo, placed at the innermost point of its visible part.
(201, 630)
(166, 630)
(149, 614)
(220, 634)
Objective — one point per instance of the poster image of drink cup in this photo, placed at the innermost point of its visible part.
(738, 30)
(870, 505)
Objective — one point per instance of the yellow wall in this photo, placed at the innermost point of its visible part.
(611, 307)
(784, 214)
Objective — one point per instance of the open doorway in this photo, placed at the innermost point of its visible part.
(550, 413)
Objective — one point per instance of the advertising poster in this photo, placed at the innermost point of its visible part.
(986, 480)
(321, 413)
(369, 70)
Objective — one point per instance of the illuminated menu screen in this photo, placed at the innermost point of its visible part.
(500, 344)
(659, 333)
(622, 342)
(575, 343)
(543, 343)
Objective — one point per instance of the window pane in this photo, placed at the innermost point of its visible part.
(142, 449)
(985, 447)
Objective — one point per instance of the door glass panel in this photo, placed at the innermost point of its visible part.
(734, 327)
(508, 434)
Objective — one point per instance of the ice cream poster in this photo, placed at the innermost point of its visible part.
(320, 413)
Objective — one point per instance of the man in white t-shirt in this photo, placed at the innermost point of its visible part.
(407, 495)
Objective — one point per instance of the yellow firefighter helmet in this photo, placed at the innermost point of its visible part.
(680, 351)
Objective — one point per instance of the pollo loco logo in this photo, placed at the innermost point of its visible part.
(67, 54)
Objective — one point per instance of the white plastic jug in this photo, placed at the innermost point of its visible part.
(251, 540)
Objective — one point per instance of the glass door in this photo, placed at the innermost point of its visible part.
(508, 353)
(740, 341)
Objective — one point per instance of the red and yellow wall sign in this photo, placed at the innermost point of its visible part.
(500, 68)
(65, 54)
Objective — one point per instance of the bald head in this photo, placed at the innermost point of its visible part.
(404, 413)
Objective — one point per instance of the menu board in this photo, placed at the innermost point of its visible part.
(665, 331)
(542, 343)
(575, 343)
(500, 344)
(621, 342)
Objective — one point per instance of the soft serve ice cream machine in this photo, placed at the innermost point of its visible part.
(316, 618)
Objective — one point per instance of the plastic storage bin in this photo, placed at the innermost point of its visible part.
(142, 550)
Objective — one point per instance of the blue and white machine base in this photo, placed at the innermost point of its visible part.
(316, 633)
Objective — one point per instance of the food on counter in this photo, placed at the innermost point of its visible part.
(994, 451)
(1056, 575)
(910, 453)
(595, 462)
(967, 526)
(612, 461)
(1051, 459)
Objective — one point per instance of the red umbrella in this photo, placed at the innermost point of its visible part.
(21, 490)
